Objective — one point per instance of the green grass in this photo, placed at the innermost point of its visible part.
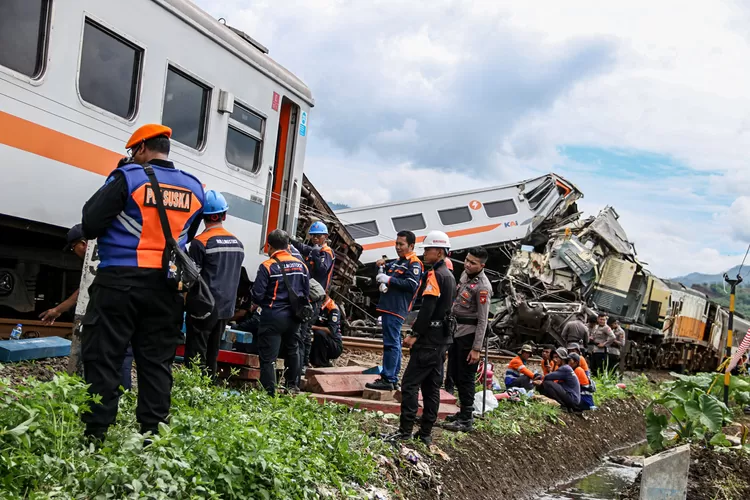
(218, 445)
(529, 417)
(606, 387)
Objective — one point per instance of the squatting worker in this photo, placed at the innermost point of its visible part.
(402, 277)
(277, 321)
(562, 385)
(471, 309)
(327, 343)
(517, 375)
(319, 258)
(218, 253)
(432, 333)
(76, 244)
(131, 299)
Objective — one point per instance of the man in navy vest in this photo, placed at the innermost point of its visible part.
(131, 299)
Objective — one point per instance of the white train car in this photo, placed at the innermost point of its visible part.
(78, 77)
(470, 218)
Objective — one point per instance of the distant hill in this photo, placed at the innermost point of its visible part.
(700, 278)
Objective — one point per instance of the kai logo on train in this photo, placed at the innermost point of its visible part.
(510, 224)
(174, 199)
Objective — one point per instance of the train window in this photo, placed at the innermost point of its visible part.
(500, 208)
(186, 108)
(244, 138)
(363, 229)
(110, 71)
(24, 25)
(455, 216)
(409, 223)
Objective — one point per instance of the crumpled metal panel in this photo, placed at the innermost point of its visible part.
(609, 229)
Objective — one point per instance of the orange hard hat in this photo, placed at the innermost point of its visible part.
(147, 132)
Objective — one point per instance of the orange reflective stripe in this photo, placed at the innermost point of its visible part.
(211, 232)
(151, 246)
(432, 288)
(273, 299)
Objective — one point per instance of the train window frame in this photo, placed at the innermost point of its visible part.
(248, 132)
(515, 208)
(42, 54)
(189, 75)
(374, 221)
(468, 211)
(129, 40)
(420, 215)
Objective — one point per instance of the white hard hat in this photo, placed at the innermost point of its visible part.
(436, 239)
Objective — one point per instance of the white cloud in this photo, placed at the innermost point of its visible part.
(423, 97)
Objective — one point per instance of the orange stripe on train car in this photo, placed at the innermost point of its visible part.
(39, 140)
(451, 234)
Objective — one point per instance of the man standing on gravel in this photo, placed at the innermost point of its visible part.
(603, 338)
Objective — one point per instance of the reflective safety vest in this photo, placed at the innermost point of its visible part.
(135, 238)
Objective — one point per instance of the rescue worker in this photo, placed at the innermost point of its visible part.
(403, 278)
(576, 330)
(613, 353)
(327, 343)
(562, 385)
(584, 379)
(602, 338)
(319, 258)
(277, 321)
(132, 300)
(219, 254)
(547, 361)
(471, 309)
(576, 348)
(517, 375)
(76, 244)
(431, 335)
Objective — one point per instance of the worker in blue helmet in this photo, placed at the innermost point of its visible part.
(219, 254)
(319, 258)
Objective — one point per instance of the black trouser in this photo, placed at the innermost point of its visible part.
(149, 319)
(451, 372)
(464, 373)
(271, 334)
(614, 361)
(127, 370)
(324, 349)
(555, 391)
(203, 340)
(599, 362)
(523, 381)
(306, 335)
(424, 371)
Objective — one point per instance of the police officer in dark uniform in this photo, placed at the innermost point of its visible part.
(431, 335)
(327, 343)
(472, 309)
(219, 255)
(131, 299)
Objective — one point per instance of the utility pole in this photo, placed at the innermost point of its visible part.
(727, 374)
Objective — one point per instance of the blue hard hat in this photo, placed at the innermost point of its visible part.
(215, 203)
(318, 228)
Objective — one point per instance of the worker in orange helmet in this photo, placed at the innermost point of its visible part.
(132, 298)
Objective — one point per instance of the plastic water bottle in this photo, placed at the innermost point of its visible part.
(383, 287)
(17, 332)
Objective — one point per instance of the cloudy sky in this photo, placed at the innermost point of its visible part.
(643, 105)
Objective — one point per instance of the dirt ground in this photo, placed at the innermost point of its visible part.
(713, 475)
(483, 466)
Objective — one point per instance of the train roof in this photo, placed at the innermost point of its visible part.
(243, 47)
(460, 193)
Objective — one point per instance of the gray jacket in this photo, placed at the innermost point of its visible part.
(473, 302)
(602, 335)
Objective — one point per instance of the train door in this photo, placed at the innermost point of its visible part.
(281, 206)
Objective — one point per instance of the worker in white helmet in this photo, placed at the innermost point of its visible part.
(431, 335)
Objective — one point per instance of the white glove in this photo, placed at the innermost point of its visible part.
(383, 278)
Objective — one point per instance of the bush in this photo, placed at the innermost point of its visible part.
(219, 444)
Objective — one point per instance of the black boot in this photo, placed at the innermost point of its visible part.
(425, 437)
(460, 425)
(381, 384)
(453, 418)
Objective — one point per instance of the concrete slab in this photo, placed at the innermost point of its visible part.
(336, 370)
(384, 406)
(377, 395)
(25, 349)
(445, 397)
(339, 385)
(665, 475)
